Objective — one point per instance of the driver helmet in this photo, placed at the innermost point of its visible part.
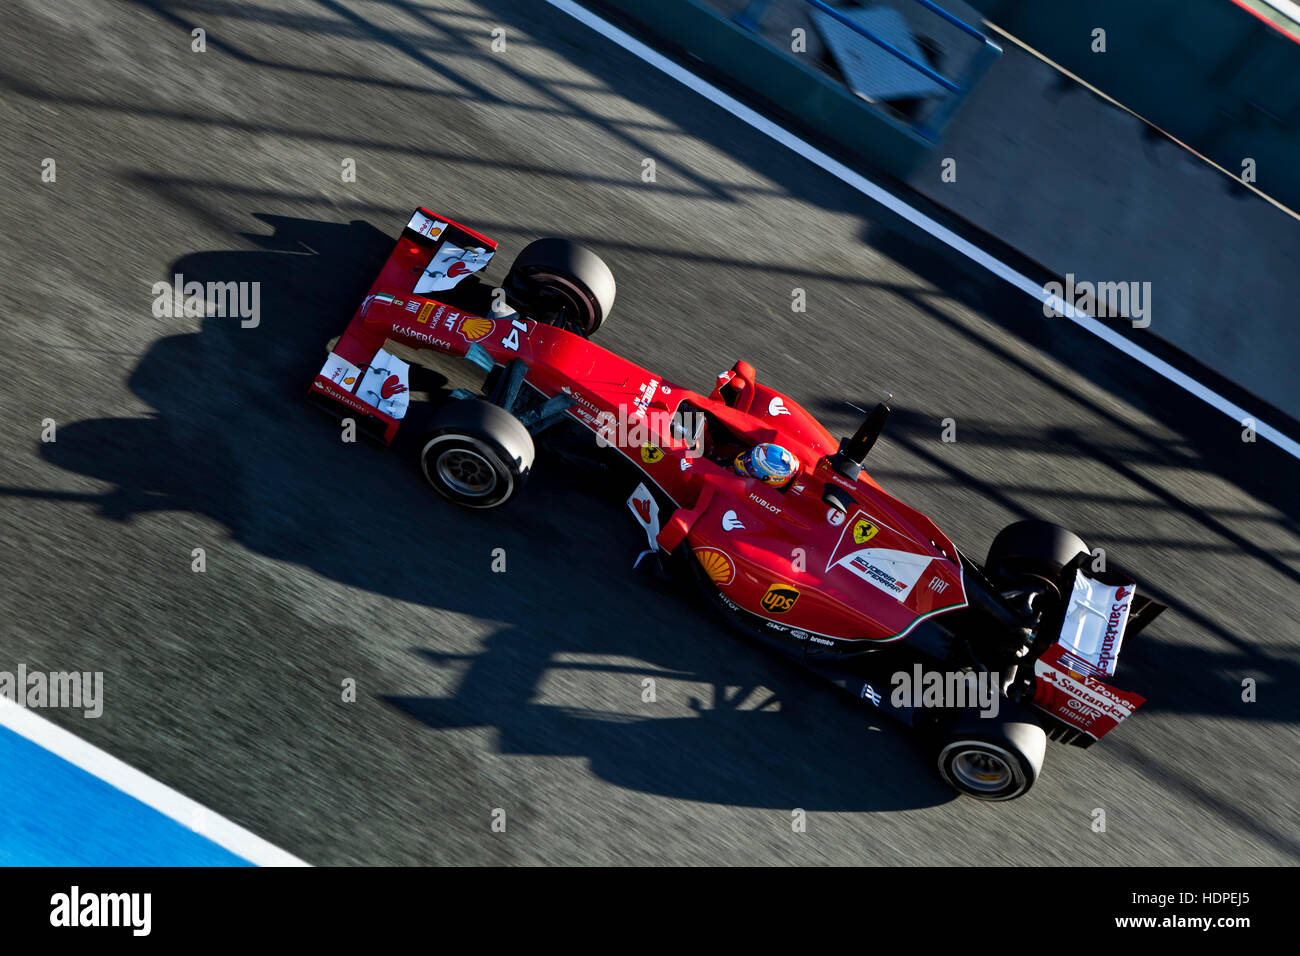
(771, 464)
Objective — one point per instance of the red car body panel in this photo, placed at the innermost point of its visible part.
(868, 576)
(788, 541)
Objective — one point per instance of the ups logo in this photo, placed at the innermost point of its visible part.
(779, 599)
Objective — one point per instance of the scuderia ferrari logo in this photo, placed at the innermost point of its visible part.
(651, 453)
(779, 599)
(864, 531)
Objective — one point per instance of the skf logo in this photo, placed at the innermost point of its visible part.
(938, 585)
(650, 454)
(779, 599)
(864, 531)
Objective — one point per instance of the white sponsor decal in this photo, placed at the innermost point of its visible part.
(730, 522)
(871, 694)
(386, 384)
(1094, 624)
(646, 394)
(646, 510)
(451, 264)
(426, 226)
(894, 572)
(938, 585)
(341, 372)
(777, 407)
(1092, 694)
(835, 517)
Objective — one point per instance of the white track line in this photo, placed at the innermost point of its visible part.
(945, 235)
(171, 803)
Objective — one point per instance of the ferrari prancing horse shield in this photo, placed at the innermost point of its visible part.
(864, 531)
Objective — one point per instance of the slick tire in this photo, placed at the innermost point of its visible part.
(1033, 551)
(476, 454)
(994, 758)
(561, 283)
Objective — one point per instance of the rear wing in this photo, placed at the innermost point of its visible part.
(1070, 686)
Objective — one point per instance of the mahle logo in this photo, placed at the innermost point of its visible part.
(779, 598)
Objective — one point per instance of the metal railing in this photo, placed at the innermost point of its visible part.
(955, 90)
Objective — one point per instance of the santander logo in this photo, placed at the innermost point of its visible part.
(457, 269)
(392, 386)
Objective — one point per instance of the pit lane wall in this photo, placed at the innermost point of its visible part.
(819, 102)
(1067, 178)
(1209, 72)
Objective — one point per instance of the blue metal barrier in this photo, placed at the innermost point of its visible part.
(751, 18)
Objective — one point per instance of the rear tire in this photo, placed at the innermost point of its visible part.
(561, 283)
(1029, 554)
(996, 758)
(476, 454)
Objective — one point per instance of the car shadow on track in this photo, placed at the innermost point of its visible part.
(231, 438)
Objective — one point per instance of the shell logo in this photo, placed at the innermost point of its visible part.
(716, 565)
(475, 328)
(349, 380)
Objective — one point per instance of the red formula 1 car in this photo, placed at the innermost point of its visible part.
(988, 660)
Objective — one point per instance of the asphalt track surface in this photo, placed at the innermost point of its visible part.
(477, 690)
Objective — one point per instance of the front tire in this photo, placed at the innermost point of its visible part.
(997, 758)
(476, 454)
(561, 283)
